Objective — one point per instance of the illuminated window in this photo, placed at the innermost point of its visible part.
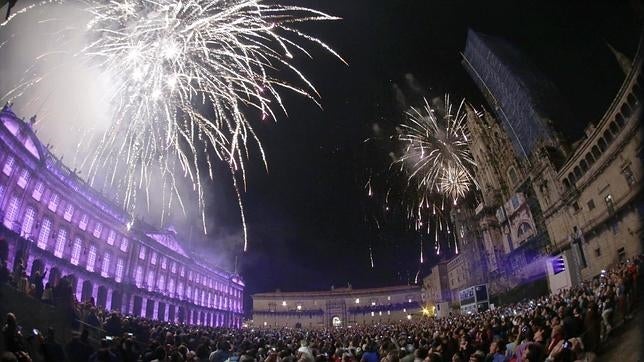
(138, 279)
(357, 300)
(24, 178)
(170, 285)
(189, 292)
(190, 275)
(153, 258)
(91, 258)
(111, 236)
(161, 283)
(43, 237)
(69, 212)
(119, 270)
(12, 212)
(180, 289)
(164, 262)
(82, 224)
(54, 200)
(38, 190)
(183, 271)
(76, 251)
(61, 239)
(174, 267)
(98, 229)
(124, 244)
(105, 268)
(610, 205)
(28, 222)
(8, 165)
(141, 252)
(150, 280)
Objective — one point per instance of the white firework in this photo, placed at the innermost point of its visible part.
(187, 80)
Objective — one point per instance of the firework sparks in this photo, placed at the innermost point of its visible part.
(187, 79)
(436, 156)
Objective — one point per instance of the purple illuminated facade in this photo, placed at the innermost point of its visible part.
(53, 220)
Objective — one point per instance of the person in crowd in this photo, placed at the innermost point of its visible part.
(79, 348)
(50, 349)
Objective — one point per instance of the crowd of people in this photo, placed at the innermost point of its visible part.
(568, 326)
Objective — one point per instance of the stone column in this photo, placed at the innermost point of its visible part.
(29, 265)
(155, 312)
(166, 313)
(79, 288)
(95, 293)
(144, 307)
(108, 301)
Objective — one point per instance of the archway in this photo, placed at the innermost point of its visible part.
(4, 249)
(37, 266)
(138, 302)
(55, 275)
(161, 312)
(171, 313)
(101, 297)
(149, 309)
(117, 300)
(181, 315)
(86, 293)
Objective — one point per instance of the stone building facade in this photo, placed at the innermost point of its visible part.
(593, 203)
(336, 307)
(53, 221)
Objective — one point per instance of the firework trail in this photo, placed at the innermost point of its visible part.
(187, 77)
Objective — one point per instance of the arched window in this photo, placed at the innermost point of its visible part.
(614, 128)
(577, 171)
(43, 237)
(12, 212)
(524, 229)
(602, 144)
(590, 160)
(608, 136)
(105, 268)
(28, 222)
(61, 239)
(91, 258)
(76, 251)
(625, 110)
(584, 166)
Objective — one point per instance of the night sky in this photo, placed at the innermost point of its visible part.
(306, 216)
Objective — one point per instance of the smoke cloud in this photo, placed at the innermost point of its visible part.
(43, 74)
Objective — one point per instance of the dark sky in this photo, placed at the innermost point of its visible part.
(306, 216)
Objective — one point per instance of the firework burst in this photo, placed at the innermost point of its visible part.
(187, 77)
(436, 157)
